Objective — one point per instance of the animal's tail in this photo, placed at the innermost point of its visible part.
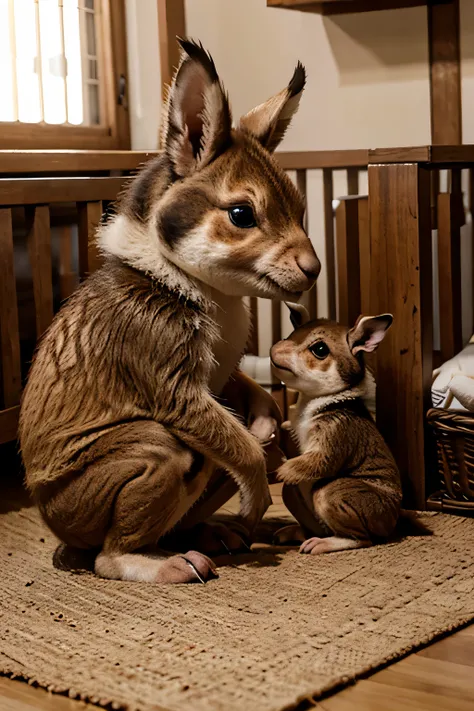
(74, 560)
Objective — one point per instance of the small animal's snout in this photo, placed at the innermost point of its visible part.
(309, 264)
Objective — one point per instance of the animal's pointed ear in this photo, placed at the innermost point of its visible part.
(269, 121)
(368, 333)
(298, 314)
(197, 121)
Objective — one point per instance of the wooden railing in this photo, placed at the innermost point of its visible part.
(376, 250)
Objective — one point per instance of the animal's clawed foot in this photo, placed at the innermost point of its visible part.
(191, 567)
(315, 546)
(289, 535)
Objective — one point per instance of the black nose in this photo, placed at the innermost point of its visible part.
(309, 265)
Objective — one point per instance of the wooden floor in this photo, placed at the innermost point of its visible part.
(439, 677)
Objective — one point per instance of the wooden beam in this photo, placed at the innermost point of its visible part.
(340, 7)
(401, 275)
(171, 23)
(445, 71)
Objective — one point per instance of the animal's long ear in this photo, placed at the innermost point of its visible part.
(197, 121)
(269, 121)
(298, 314)
(368, 333)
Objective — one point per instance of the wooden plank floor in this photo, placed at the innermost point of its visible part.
(437, 678)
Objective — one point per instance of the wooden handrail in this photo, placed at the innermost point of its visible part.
(76, 161)
(437, 155)
(37, 191)
(314, 160)
(70, 161)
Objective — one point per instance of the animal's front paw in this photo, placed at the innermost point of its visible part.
(192, 567)
(315, 546)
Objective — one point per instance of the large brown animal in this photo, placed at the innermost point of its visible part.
(121, 430)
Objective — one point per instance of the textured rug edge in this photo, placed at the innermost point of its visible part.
(335, 686)
(310, 697)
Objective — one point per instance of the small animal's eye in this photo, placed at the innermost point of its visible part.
(320, 350)
(242, 216)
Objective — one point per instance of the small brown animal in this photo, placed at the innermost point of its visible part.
(126, 431)
(345, 482)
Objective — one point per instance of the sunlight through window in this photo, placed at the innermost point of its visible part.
(49, 61)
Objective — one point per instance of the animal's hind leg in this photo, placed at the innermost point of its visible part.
(146, 508)
(356, 512)
(140, 482)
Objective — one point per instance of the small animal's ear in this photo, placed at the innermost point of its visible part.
(197, 121)
(368, 333)
(298, 314)
(269, 121)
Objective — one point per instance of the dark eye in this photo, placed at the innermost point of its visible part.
(320, 350)
(242, 216)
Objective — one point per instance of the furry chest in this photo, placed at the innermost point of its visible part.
(233, 322)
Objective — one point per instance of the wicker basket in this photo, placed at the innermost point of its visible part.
(454, 433)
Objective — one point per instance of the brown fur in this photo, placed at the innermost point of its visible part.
(121, 426)
(345, 475)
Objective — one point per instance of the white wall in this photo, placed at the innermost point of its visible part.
(367, 74)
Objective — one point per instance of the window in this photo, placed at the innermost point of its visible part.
(63, 71)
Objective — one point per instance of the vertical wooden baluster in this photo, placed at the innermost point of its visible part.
(89, 217)
(329, 241)
(310, 299)
(348, 260)
(449, 272)
(401, 269)
(253, 342)
(364, 255)
(352, 181)
(68, 279)
(9, 332)
(39, 250)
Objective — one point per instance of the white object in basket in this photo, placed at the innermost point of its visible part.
(453, 382)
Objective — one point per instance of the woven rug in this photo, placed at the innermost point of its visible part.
(269, 633)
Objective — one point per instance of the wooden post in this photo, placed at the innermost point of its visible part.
(401, 254)
(445, 72)
(171, 23)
